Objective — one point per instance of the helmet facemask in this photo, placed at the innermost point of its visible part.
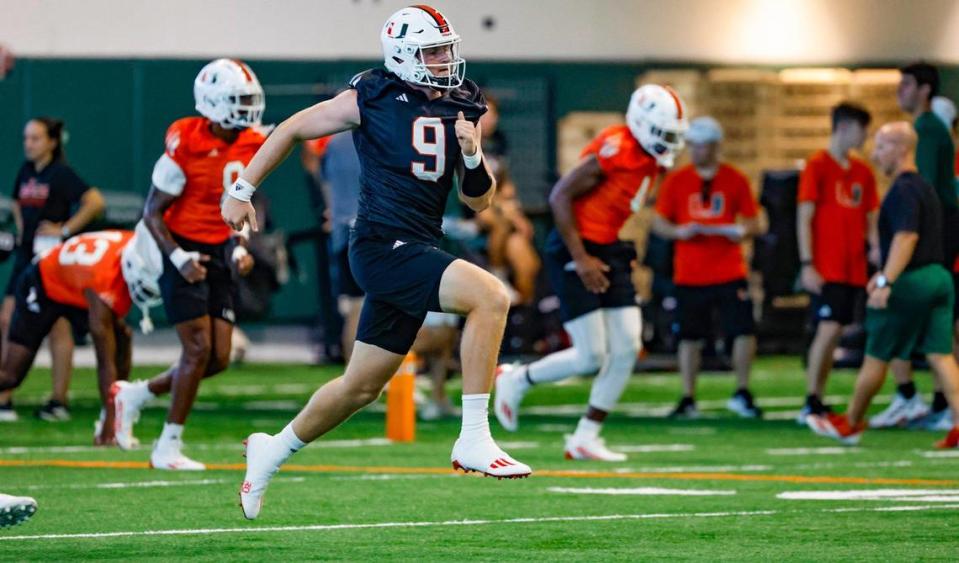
(444, 76)
(664, 144)
(246, 110)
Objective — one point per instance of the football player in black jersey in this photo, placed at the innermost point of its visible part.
(415, 129)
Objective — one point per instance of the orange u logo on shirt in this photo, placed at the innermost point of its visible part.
(851, 198)
(713, 208)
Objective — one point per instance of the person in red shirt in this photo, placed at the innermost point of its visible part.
(92, 280)
(698, 206)
(838, 210)
(590, 268)
(204, 156)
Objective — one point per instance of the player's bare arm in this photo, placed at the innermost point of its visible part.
(102, 322)
(900, 253)
(669, 230)
(325, 118)
(191, 268)
(872, 235)
(811, 279)
(578, 181)
(477, 183)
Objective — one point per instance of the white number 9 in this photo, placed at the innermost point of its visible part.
(435, 148)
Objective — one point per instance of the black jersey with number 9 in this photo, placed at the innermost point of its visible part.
(408, 151)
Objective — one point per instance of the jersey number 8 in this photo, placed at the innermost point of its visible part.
(435, 147)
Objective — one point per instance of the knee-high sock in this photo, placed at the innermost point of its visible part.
(588, 333)
(623, 333)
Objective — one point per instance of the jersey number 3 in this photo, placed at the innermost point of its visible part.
(87, 249)
(429, 139)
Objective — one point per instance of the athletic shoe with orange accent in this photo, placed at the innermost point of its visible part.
(485, 457)
(836, 426)
(589, 448)
(128, 398)
(170, 457)
(263, 458)
(950, 441)
(511, 386)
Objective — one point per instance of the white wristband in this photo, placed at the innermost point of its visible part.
(242, 190)
(472, 161)
(179, 257)
(239, 251)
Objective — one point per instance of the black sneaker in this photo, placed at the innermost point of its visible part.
(53, 411)
(742, 404)
(685, 409)
(7, 414)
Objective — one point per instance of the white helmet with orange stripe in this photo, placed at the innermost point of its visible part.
(409, 32)
(657, 118)
(227, 92)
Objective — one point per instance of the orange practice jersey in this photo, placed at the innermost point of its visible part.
(601, 212)
(843, 197)
(197, 167)
(712, 259)
(87, 261)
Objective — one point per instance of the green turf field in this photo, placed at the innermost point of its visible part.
(353, 496)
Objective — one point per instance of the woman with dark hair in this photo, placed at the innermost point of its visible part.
(50, 204)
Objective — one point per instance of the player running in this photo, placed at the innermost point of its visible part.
(203, 156)
(92, 280)
(590, 268)
(415, 131)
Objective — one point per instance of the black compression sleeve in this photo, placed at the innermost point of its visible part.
(476, 181)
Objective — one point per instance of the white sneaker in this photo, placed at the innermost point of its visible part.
(510, 388)
(594, 449)
(484, 456)
(170, 457)
(8, 414)
(15, 510)
(128, 399)
(261, 466)
(900, 412)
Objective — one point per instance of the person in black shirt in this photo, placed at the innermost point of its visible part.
(46, 193)
(911, 297)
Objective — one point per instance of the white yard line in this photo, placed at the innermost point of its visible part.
(902, 495)
(152, 484)
(836, 450)
(695, 469)
(642, 491)
(450, 523)
(651, 448)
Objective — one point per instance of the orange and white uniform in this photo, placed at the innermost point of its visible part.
(601, 212)
(197, 167)
(87, 261)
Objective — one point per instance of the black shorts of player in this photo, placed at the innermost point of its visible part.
(184, 301)
(836, 302)
(346, 285)
(34, 313)
(697, 304)
(21, 261)
(401, 279)
(574, 299)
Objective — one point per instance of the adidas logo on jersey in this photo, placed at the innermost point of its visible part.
(402, 97)
(398, 244)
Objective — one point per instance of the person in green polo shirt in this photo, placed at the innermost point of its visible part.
(911, 297)
(935, 161)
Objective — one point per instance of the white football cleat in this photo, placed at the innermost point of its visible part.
(15, 510)
(261, 466)
(510, 389)
(169, 457)
(592, 449)
(900, 412)
(484, 456)
(128, 399)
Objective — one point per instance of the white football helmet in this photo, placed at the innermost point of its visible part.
(657, 118)
(411, 30)
(227, 92)
(142, 265)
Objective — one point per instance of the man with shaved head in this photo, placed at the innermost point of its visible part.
(911, 297)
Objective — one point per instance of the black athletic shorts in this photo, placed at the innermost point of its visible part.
(696, 306)
(401, 279)
(574, 299)
(346, 285)
(34, 313)
(837, 302)
(184, 301)
(21, 261)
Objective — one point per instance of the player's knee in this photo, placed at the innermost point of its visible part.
(590, 359)
(497, 301)
(364, 393)
(196, 352)
(219, 361)
(8, 381)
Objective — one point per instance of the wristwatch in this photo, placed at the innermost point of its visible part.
(882, 281)
(65, 232)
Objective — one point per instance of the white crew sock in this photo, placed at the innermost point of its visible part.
(289, 441)
(588, 428)
(475, 417)
(171, 434)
